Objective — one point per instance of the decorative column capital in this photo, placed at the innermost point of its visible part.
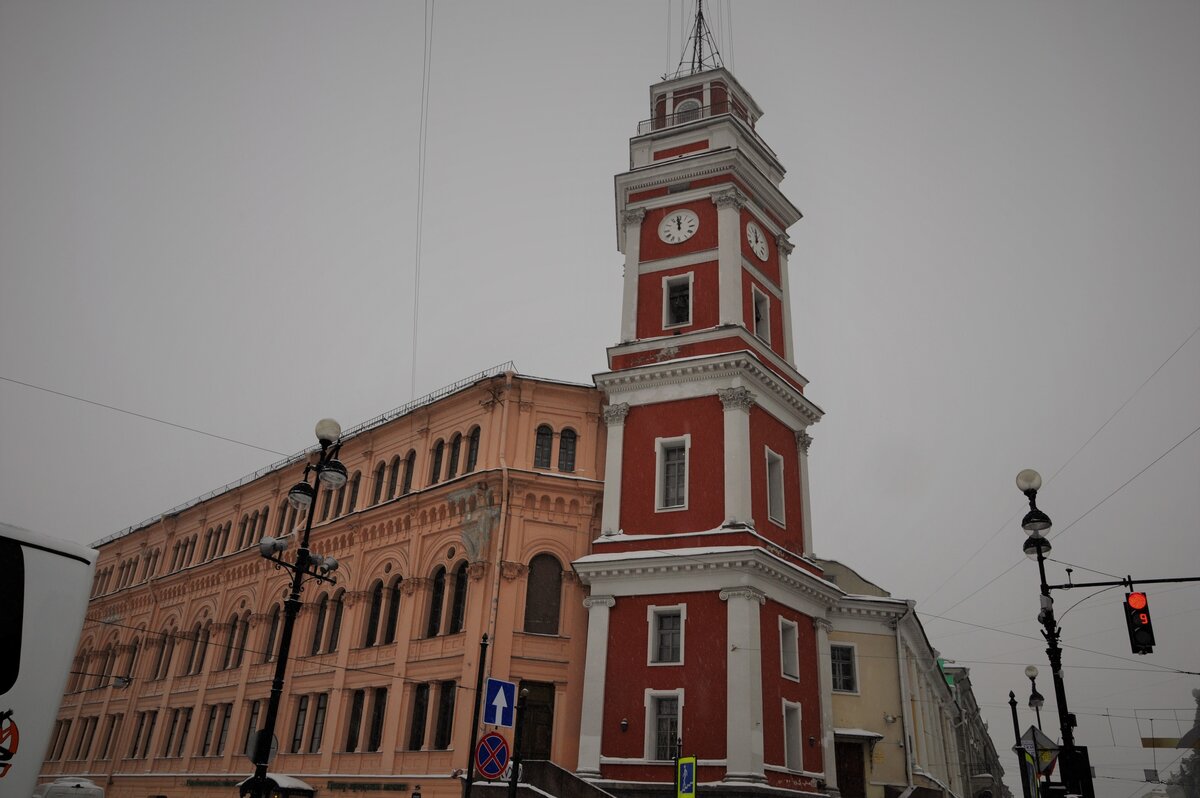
(784, 244)
(599, 601)
(614, 415)
(633, 216)
(736, 398)
(803, 440)
(823, 625)
(476, 569)
(729, 198)
(512, 570)
(748, 593)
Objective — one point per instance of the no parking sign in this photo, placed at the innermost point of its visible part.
(491, 756)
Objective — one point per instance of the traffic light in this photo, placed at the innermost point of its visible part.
(1137, 618)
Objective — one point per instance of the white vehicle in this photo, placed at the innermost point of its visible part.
(69, 788)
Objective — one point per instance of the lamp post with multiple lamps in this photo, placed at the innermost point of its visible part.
(327, 471)
(1075, 773)
(1036, 699)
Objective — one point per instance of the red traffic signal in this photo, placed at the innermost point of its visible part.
(1137, 620)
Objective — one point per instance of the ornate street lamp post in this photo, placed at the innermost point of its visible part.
(328, 471)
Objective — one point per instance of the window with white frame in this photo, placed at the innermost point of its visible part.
(671, 472)
(762, 314)
(664, 710)
(677, 300)
(793, 751)
(789, 649)
(842, 660)
(666, 634)
(775, 509)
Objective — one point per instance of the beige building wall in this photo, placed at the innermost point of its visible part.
(177, 599)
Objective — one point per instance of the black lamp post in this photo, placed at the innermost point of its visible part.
(1036, 547)
(1036, 699)
(328, 471)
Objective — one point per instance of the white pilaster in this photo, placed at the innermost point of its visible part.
(610, 517)
(632, 218)
(743, 689)
(729, 254)
(784, 246)
(825, 691)
(591, 725)
(737, 403)
(803, 441)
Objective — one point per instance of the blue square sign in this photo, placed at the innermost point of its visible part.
(500, 703)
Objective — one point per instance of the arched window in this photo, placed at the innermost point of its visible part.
(283, 508)
(225, 537)
(372, 631)
(377, 492)
(472, 450)
(340, 501)
(541, 449)
(194, 637)
(435, 471)
(543, 595)
(455, 448)
(436, 599)
(199, 648)
(393, 477)
(242, 538)
(165, 652)
(291, 520)
(354, 485)
(326, 504)
(410, 463)
(319, 626)
(458, 608)
(230, 638)
(243, 633)
(335, 621)
(393, 612)
(687, 111)
(272, 632)
(110, 660)
(131, 660)
(566, 450)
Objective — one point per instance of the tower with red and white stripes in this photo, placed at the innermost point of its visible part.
(706, 615)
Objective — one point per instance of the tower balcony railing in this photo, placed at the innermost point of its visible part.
(695, 114)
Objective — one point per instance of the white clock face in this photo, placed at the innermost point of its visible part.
(678, 226)
(757, 240)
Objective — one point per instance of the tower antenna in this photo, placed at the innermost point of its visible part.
(701, 36)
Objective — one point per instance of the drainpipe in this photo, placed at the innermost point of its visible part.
(905, 708)
(504, 505)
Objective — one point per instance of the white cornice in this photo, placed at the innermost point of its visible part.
(701, 376)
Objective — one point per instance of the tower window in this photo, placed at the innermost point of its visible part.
(671, 473)
(687, 111)
(762, 314)
(789, 649)
(666, 634)
(677, 300)
(775, 488)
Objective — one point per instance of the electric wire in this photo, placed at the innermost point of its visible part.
(422, 146)
(143, 416)
(1008, 522)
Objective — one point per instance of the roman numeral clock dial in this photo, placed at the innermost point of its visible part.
(678, 226)
(757, 240)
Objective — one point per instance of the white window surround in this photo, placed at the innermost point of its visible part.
(853, 663)
(793, 736)
(653, 613)
(789, 649)
(667, 282)
(659, 445)
(651, 726)
(776, 510)
(761, 309)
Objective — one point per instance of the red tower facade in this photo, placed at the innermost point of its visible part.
(706, 615)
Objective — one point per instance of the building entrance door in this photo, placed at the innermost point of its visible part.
(538, 732)
(851, 770)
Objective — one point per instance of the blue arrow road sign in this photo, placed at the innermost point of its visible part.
(499, 703)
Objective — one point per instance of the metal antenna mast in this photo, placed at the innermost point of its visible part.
(701, 35)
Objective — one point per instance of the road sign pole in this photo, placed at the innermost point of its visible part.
(483, 644)
(517, 742)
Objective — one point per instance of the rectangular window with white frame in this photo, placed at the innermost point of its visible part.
(664, 716)
(793, 749)
(845, 679)
(762, 314)
(789, 649)
(666, 634)
(671, 473)
(775, 509)
(677, 300)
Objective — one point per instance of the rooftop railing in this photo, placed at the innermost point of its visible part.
(695, 114)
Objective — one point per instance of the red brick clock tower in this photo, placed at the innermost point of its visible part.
(706, 617)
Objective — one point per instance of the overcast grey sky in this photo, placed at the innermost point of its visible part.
(208, 215)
